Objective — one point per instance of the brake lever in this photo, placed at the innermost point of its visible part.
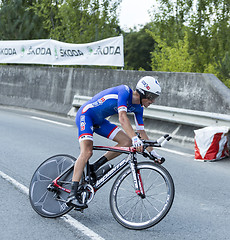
(156, 160)
(145, 153)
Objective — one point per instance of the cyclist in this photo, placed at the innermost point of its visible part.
(117, 100)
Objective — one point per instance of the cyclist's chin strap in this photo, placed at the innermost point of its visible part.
(141, 95)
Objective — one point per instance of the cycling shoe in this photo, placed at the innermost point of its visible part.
(72, 201)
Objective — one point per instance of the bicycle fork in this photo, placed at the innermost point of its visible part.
(138, 184)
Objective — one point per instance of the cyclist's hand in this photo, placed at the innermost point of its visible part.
(159, 159)
(137, 143)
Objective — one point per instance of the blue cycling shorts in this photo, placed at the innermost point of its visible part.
(87, 126)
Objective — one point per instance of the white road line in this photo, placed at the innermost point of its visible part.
(67, 218)
(18, 185)
(88, 232)
(176, 152)
(50, 121)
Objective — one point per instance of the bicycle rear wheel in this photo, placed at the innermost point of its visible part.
(48, 203)
(134, 212)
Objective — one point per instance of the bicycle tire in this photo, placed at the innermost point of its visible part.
(43, 201)
(133, 212)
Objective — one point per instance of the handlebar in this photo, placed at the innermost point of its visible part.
(160, 142)
(146, 143)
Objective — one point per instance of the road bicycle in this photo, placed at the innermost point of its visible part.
(140, 197)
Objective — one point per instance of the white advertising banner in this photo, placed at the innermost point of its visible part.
(107, 52)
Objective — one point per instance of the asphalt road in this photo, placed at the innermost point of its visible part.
(200, 210)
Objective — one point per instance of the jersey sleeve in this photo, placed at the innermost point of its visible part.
(123, 96)
(138, 118)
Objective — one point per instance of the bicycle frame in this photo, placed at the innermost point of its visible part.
(131, 159)
(127, 150)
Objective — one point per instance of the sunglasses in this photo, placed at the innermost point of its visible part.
(151, 96)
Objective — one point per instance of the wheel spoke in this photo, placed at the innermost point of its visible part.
(147, 211)
(131, 208)
(127, 200)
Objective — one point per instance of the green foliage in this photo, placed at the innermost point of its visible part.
(172, 59)
(75, 21)
(192, 37)
(18, 22)
(138, 47)
(170, 18)
(227, 82)
(78, 21)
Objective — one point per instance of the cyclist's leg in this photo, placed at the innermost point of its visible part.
(122, 141)
(111, 131)
(85, 131)
(85, 135)
(86, 148)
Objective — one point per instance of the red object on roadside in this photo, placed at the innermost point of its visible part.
(211, 143)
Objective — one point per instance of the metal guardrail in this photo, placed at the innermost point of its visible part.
(187, 117)
(175, 115)
(79, 100)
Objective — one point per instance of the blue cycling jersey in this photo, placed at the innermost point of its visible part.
(107, 103)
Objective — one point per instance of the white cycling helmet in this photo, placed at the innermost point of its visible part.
(148, 87)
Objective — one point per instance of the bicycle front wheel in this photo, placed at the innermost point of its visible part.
(48, 203)
(136, 212)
